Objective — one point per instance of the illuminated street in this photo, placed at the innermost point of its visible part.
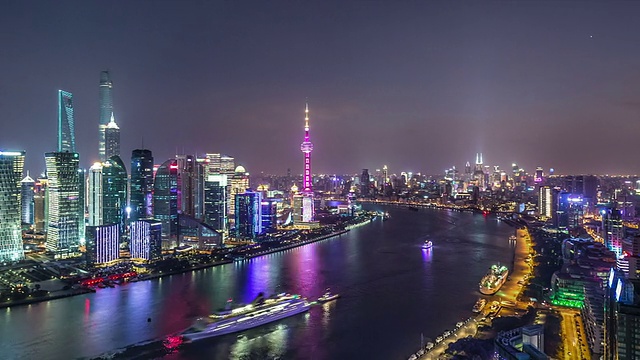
(574, 342)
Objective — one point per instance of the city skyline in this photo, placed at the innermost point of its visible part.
(528, 83)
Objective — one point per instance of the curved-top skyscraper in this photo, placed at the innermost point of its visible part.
(106, 109)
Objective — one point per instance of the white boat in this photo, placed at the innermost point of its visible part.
(328, 296)
(493, 280)
(261, 311)
(479, 305)
(427, 244)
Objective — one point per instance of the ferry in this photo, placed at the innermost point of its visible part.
(479, 305)
(261, 311)
(427, 244)
(328, 296)
(493, 280)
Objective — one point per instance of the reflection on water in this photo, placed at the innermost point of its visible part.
(391, 291)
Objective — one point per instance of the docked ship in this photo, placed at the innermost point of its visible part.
(427, 244)
(479, 305)
(493, 280)
(259, 312)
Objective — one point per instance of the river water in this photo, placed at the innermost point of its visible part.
(391, 291)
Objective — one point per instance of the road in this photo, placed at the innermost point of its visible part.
(573, 338)
(469, 329)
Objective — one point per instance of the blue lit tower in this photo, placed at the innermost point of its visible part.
(27, 193)
(106, 110)
(141, 184)
(66, 132)
(11, 165)
(248, 214)
(307, 184)
(165, 198)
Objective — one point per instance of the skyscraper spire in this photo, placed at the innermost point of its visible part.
(106, 110)
(66, 127)
(306, 147)
(111, 139)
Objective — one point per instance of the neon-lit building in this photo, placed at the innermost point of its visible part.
(248, 214)
(95, 196)
(269, 214)
(141, 199)
(186, 183)
(165, 199)
(145, 240)
(103, 244)
(546, 202)
(612, 230)
(305, 203)
(66, 127)
(11, 166)
(27, 194)
(106, 112)
(622, 317)
(238, 183)
(215, 202)
(111, 139)
(65, 207)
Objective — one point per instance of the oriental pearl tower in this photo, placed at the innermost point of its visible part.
(307, 184)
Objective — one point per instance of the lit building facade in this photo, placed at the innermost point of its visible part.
(165, 198)
(215, 202)
(11, 166)
(103, 244)
(111, 139)
(269, 214)
(27, 194)
(95, 196)
(64, 204)
(114, 191)
(145, 240)
(546, 202)
(248, 215)
(141, 200)
(307, 176)
(622, 318)
(186, 183)
(239, 183)
(612, 230)
(106, 111)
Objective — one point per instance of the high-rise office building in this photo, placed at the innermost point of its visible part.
(39, 207)
(187, 183)
(165, 199)
(612, 230)
(141, 201)
(111, 139)
(27, 193)
(239, 183)
(307, 177)
(269, 214)
(114, 191)
(103, 244)
(106, 111)
(215, 202)
(622, 317)
(63, 203)
(66, 127)
(546, 202)
(95, 196)
(198, 188)
(145, 240)
(365, 183)
(248, 215)
(11, 166)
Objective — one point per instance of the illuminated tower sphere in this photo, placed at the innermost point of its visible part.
(306, 147)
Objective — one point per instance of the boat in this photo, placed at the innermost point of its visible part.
(479, 305)
(493, 280)
(259, 312)
(413, 208)
(427, 244)
(328, 296)
(386, 216)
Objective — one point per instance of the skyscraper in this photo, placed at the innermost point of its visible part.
(103, 244)
(165, 198)
(112, 139)
(27, 193)
(141, 184)
(187, 181)
(146, 240)
(66, 127)
(239, 183)
(307, 183)
(106, 111)
(11, 165)
(96, 197)
(63, 203)
(248, 214)
(114, 191)
(215, 202)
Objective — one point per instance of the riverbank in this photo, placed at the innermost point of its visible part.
(144, 277)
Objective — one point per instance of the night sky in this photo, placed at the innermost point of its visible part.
(419, 86)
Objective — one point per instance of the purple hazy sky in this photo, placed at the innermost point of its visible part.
(419, 86)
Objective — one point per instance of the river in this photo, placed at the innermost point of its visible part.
(391, 290)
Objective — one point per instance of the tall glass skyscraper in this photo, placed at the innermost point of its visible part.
(64, 207)
(106, 110)
(27, 193)
(215, 202)
(112, 139)
(103, 244)
(66, 130)
(11, 165)
(248, 214)
(95, 199)
(165, 198)
(141, 184)
(146, 240)
(186, 185)
(114, 191)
